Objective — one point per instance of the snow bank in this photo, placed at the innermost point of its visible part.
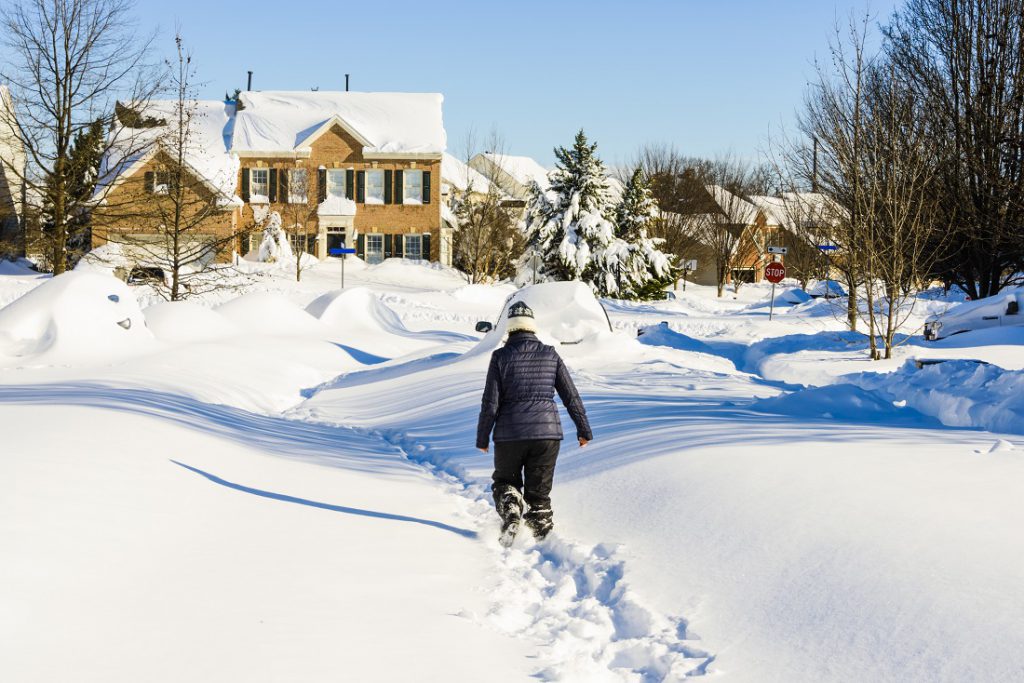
(959, 393)
(266, 313)
(184, 322)
(74, 316)
(355, 308)
(19, 267)
(838, 401)
(662, 335)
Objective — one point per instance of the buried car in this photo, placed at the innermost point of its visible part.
(566, 312)
(1001, 310)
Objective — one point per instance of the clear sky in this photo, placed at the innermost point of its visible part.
(707, 76)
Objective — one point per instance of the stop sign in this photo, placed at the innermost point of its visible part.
(774, 272)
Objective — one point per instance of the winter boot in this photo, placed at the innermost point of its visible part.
(509, 503)
(540, 521)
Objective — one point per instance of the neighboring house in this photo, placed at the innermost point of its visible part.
(12, 171)
(458, 177)
(515, 175)
(755, 223)
(343, 168)
(130, 196)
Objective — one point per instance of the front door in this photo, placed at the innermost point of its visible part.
(335, 240)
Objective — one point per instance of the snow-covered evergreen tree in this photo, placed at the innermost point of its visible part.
(644, 268)
(275, 245)
(568, 225)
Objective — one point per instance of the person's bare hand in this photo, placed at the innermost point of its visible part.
(584, 442)
(484, 450)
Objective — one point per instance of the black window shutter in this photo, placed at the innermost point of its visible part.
(350, 180)
(399, 187)
(361, 246)
(283, 187)
(245, 185)
(150, 180)
(361, 187)
(388, 242)
(399, 245)
(321, 185)
(426, 187)
(387, 186)
(426, 247)
(273, 185)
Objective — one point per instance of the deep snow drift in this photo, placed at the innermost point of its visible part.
(281, 484)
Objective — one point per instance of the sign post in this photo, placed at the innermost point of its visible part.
(343, 253)
(688, 267)
(827, 249)
(774, 272)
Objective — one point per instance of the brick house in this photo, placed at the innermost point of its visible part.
(341, 168)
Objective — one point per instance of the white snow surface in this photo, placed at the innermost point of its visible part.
(389, 122)
(280, 483)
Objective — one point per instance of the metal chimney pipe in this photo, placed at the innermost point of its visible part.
(346, 82)
(249, 86)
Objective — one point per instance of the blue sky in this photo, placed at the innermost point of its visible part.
(706, 76)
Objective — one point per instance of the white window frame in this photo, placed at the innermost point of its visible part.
(366, 190)
(375, 237)
(297, 198)
(407, 239)
(332, 185)
(253, 183)
(406, 197)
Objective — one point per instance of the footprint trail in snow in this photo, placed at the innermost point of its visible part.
(572, 600)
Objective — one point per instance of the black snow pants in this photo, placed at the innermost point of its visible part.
(528, 467)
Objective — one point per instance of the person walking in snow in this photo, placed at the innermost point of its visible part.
(519, 404)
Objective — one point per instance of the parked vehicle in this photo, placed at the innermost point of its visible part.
(566, 312)
(1001, 310)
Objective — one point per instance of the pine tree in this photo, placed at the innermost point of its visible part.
(642, 268)
(84, 162)
(568, 224)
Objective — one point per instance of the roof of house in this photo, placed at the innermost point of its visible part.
(390, 123)
(461, 176)
(738, 209)
(206, 151)
(523, 170)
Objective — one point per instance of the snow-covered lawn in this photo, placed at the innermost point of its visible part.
(279, 483)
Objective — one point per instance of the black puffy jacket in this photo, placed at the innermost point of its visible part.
(519, 397)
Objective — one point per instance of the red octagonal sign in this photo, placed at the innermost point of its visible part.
(774, 272)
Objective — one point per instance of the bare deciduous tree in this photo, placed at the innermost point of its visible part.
(69, 61)
(178, 222)
(487, 243)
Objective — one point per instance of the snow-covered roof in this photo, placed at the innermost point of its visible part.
(738, 209)
(387, 124)
(776, 210)
(523, 170)
(207, 150)
(461, 176)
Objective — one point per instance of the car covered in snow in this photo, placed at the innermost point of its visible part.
(828, 289)
(566, 312)
(1001, 310)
